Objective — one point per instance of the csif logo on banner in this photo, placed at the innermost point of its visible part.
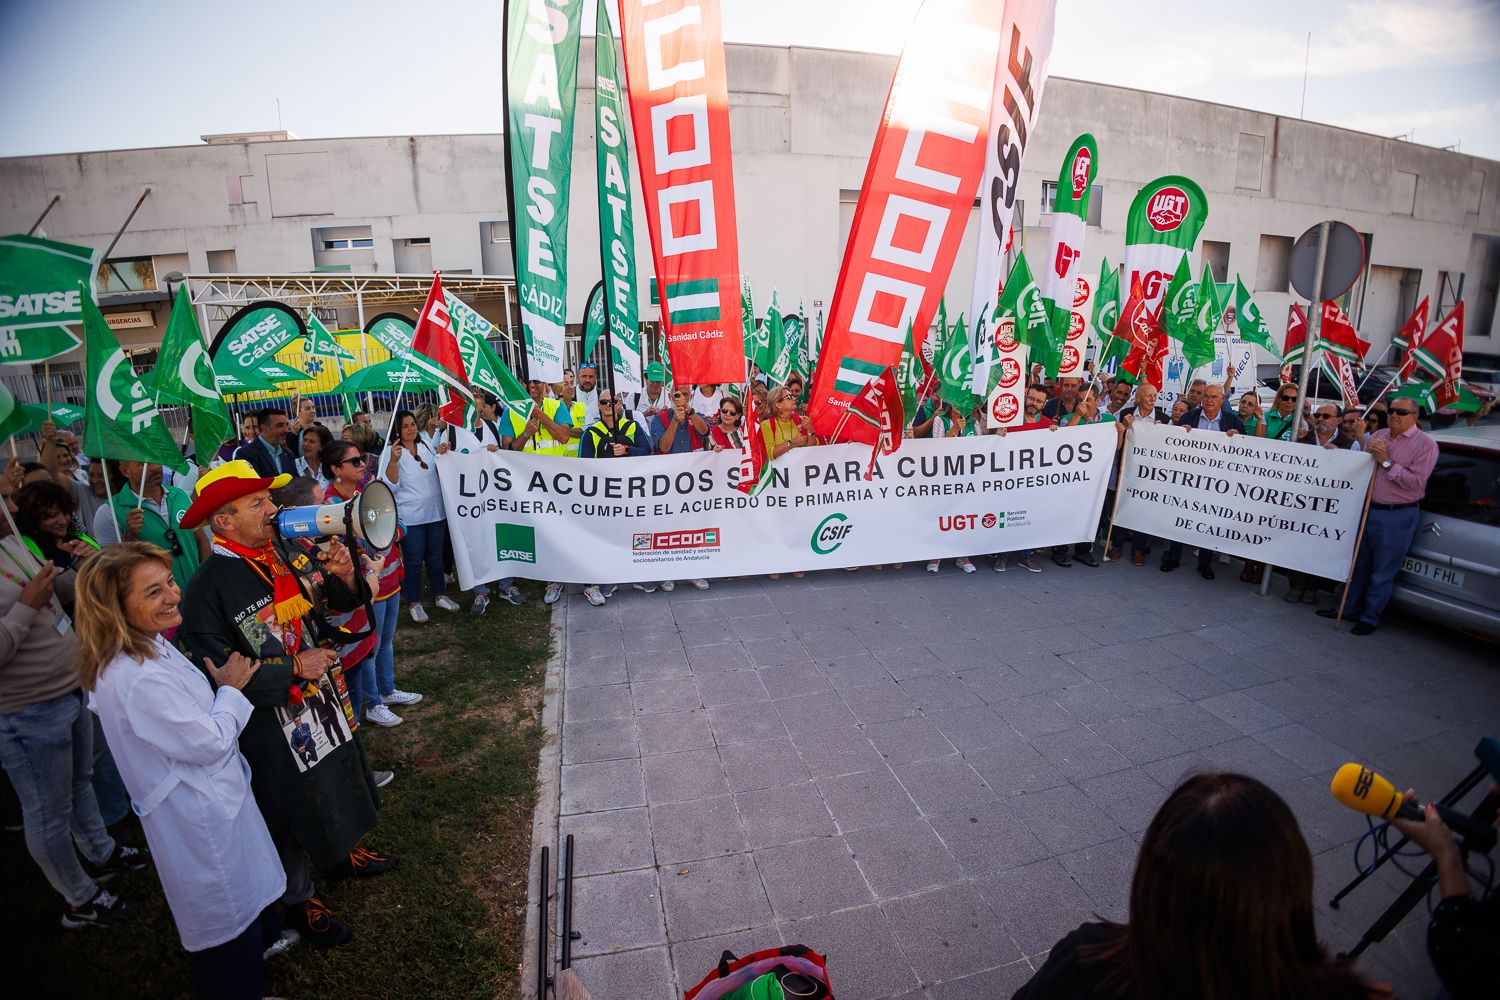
(831, 532)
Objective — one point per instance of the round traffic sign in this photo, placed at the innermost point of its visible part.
(1345, 259)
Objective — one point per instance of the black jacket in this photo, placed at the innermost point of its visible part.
(266, 464)
(1228, 420)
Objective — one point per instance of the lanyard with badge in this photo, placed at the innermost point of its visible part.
(63, 622)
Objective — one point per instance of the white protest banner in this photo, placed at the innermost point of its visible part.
(627, 520)
(1291, 505)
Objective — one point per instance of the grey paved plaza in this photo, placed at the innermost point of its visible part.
(930, 779)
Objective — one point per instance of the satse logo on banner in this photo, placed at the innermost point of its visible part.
(515, 542)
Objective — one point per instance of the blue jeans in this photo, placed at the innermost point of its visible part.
(48, 751)
(483, 589)
(423, 546)
(383, 662)
(1388, 534)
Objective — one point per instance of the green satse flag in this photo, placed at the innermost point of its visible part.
(13, 419)
(395, 333)
(321, 342)
(388, 376)
(593, 322)
(776, 344)
(1418, 391)
(1179, 313)
(121, 420)
(1248, 320)
(956, 369)
(1022, 298)
(483, 366)
(541, 88)
(183, 375)
(616, 211)
(1198, 345)
(34, 344)
(39, 282)
(796, 338)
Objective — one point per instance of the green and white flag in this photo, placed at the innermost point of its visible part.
(183, 375)
(593, 322)
(1107, 315)
(541, 86)
(13, 419)
(394, 332)
(1250, 322)
(747, 318)
(1064, 288)
(1022, 298)
(956, 370)
(795, 325)
(616, 212)
(40, 281)
(246, 347)
(1198, 347)
(321, 342)
(121, 420)
(1179, 314)
(776, 344)
(61, 414)
(909, 377)
(34, 344)
(481, 363)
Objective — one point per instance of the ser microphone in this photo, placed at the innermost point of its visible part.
(1362, 790)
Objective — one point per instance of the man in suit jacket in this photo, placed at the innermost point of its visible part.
(267, 453)
(1214, 417)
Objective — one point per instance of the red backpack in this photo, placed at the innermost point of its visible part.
(735, 973)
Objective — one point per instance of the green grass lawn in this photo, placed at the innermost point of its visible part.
(446, 923)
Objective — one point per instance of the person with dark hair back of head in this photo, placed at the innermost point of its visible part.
(267, 452)
(1220, 906)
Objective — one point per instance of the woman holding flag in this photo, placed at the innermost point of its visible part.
(409, 465)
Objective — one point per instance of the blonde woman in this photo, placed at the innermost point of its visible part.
(784, 430)
(176, 741)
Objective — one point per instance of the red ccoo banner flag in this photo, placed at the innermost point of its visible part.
(679, 108)
(918, 192)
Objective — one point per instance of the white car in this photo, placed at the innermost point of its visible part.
(1452, 571)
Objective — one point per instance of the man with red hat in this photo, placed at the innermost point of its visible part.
(268, 598)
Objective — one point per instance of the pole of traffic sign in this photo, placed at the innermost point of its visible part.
(1314, 328)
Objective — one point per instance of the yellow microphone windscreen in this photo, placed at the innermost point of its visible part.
(1362, 789)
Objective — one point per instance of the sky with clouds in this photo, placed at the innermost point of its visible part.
(84, 75)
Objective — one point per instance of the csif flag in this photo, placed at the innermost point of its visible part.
(1198, 346)
(1107, 315)
(957, 368)
(918, 191)
(182, 375)
(878, 404)
(1179, 307)
(909, 376)
(1249, 321)
(121, 421)
(679, 108)
(1064, 288)
(434, 352)
(1409, 337)
(1022, 299)
(541, 76)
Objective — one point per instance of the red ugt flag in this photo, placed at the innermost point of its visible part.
(435, 351)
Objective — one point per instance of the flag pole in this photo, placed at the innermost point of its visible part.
(1354, 559)
(114, 515)
(1110, 531)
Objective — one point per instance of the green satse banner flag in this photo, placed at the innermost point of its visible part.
(183, 375)
(593, 322)
(61, 414)
(1022, 298)
(1250, 322)
(40, 281)
(34, 344)
(248, 343)
(616, 212)
(394, 333)
(388, 376)
(541, 47)
(13, 419)
(121, 421)
(481, 363)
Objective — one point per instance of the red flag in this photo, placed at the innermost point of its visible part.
(879, 405)
(435, 351)
(755, 463)
(1141, 328)
(1442, 353)
(1345, 372)
(1409, 337)
(1296, 337)
(679, 107)
(917, 195)
(1337, 335)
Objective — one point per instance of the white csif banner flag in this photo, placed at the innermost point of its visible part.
(628, 520)
(1291, 505)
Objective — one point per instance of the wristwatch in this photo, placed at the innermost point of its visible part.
(1386, 464)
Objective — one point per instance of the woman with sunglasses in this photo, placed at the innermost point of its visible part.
(1252, 414)
(1279, 421)
(375, 687)
(409, 465)
(727, 434)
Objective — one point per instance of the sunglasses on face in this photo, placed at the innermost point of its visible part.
(1403, 412)
(1286, 399)
(356, 461)
(1324, 416)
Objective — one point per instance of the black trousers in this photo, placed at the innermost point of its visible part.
(236, 970)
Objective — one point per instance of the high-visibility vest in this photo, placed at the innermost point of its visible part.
(543, 443)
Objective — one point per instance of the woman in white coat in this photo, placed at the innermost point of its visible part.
(176, 741)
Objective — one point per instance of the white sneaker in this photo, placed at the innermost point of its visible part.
(932, 567)
(382, 778)
(967, 565)
(594, 595)
(419, 614)
(609, 589)
(283, 944)
(382, 716)
(400, 697)
(669, 585)
(649, 588)
(700, 584)
(447, 603)
(554, 591)
(1000, 562)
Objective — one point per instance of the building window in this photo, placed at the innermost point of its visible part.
(1096, 201)
(1272, 267)
(499, 232)
(351, 244)
(1216, 256)
(126, 274)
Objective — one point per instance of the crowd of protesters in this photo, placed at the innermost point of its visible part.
(164, 652)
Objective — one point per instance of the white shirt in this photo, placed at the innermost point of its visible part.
(590, 401)
(176, 743)
(312, 472)
(707, 407)
(419, 496)
(1149, 417)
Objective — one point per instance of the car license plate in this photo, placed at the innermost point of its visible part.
(1432, 571)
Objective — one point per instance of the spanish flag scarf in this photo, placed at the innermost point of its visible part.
(285, 593)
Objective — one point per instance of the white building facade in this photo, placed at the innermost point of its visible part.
(802, 121)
